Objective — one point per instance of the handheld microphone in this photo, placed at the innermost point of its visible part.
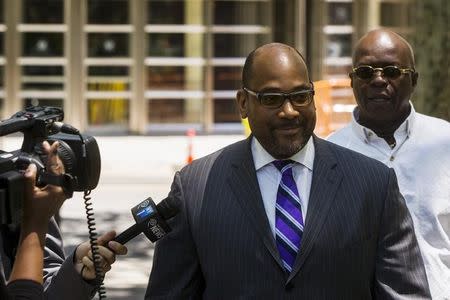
(150, 219)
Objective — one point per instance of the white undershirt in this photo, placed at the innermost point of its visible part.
(269, 177)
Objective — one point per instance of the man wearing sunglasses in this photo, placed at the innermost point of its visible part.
(386, 127)
(284, 214)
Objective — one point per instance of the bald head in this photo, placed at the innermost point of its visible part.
(277, 51)
(386, 40)
(272, 73)
(383, 98)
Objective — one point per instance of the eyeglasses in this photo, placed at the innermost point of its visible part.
(391, 72)
(276, 100)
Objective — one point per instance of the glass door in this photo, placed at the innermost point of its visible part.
(42, 62)
(175, 65)
(107, 65)
(237, 28)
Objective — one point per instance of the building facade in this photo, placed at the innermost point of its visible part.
(164, 66)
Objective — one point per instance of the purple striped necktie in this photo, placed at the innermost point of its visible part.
(288, 215)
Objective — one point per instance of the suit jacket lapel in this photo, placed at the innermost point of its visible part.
(325, 182)
(244, 184)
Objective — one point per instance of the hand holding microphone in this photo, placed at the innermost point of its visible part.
(150, 219)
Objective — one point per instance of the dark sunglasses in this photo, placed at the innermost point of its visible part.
(391, 72)
(276, 100)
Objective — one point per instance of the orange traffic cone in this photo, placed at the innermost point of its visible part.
(190, 134)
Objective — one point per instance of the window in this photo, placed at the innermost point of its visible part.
(339, 45)
(2, 70)
(338, 33)
(239, 27)
(108, 44)
(45, 78)
(166, 44)
(226, 111)
(43, 11)
(340, 13)
(334, 97)
(108, 111)
(42, 60)
(174, 77)
(2, 12)
(111, 78)
(163, 111)
(166, 12)
(241, 12)
(175, 64)
(227, 78)
(237, 44)
(108, 63)
(43, 44)
(395, 14)
(108, 71)
(108, 12)
(43, 102)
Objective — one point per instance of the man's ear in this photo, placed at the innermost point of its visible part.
(351, 79)
(414, 78)
(242, 102)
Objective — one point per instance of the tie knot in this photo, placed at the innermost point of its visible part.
(283, 165)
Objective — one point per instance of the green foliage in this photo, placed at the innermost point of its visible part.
(431, 43)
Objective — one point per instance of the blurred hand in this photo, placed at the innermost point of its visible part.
(84, 263)
(40, 204)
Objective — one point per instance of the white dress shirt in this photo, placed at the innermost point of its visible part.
(421, 160)
(269, 177)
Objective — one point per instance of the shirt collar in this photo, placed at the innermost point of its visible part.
(262, 158)
(367, 134)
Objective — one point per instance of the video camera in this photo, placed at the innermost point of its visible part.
(79, 154)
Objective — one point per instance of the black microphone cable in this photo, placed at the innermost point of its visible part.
(94, 244)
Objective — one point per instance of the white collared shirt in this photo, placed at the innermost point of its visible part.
(421, 160)
(269, 177)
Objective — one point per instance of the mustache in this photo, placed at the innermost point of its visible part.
(286, 124)
(380, 95)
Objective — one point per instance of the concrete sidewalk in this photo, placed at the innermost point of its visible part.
(139, 160)
(152, 159)
(134, 168)
(133, 159)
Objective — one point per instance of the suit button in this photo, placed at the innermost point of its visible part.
(289, 286)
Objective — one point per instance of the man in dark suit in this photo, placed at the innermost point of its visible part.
(284, 214)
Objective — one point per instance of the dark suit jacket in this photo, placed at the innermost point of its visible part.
(358, 241)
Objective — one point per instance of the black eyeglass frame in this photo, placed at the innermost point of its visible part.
(260, 95)
(382, 70)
